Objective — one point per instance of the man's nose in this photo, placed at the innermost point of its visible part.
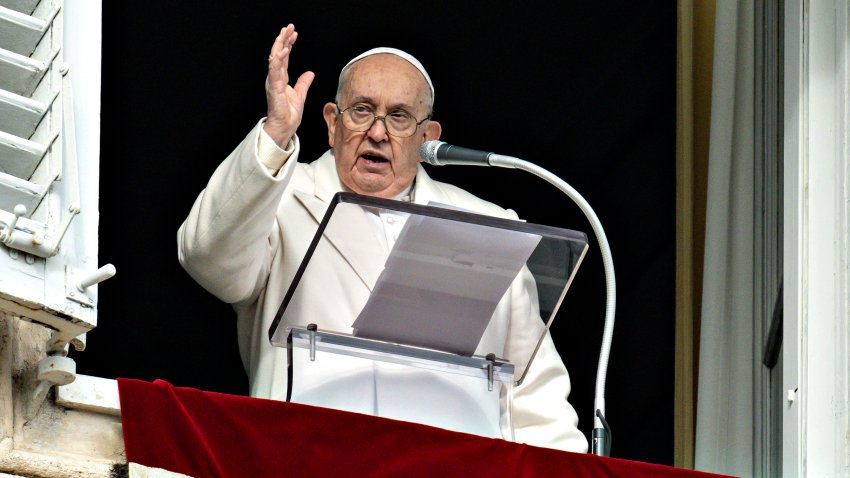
(378, 131)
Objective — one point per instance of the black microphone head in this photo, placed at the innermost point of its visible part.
(428, 151)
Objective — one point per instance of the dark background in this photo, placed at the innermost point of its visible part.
(585, 90)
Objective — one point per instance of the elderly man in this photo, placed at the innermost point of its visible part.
(249, 230)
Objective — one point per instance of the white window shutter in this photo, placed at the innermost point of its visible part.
(49, 155)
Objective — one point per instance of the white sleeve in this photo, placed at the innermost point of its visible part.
(225, 242)
(541, 414)
(270, 154)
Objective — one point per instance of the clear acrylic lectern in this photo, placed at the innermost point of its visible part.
(404, 311)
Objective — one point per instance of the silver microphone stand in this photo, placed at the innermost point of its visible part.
(601, 439)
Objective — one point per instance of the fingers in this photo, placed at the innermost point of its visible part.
(287, 49)
(282, 46)
(282, 39)
(285, 103)
(278, 77)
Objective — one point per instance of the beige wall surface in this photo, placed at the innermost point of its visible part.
(55, 442)
(695, 52)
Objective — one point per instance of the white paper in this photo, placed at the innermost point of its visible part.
(441, 283)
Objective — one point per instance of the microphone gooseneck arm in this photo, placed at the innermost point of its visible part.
(439, 153)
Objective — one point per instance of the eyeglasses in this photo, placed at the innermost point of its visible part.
(360, 117)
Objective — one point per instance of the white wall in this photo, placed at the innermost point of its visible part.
(816, 360)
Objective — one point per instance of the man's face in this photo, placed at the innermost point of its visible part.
(374, 162)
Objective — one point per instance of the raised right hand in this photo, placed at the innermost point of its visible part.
(285, 103)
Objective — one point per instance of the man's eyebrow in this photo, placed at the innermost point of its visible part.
(362, 99)
(370, 101)
(402, 106)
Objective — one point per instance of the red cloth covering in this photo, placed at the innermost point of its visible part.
(206, 434)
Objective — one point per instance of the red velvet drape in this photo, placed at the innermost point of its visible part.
(205, 434)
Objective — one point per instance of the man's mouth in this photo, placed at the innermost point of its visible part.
(373, 158)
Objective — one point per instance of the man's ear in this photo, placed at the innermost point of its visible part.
(329, 112)
(432, 130)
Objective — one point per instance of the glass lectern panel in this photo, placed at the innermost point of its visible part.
(432, 277)
(450, 391)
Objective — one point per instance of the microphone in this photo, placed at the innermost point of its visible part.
(439, 153)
